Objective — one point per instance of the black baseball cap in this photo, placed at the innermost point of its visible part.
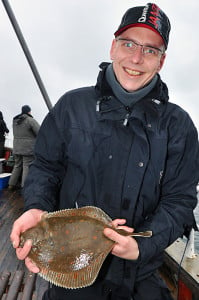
(148, 16)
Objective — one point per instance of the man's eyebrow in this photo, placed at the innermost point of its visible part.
(147, 45)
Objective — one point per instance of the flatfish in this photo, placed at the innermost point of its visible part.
(69, 246)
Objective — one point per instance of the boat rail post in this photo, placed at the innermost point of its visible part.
(190, 251)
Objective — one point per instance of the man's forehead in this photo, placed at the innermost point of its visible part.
(142, 34)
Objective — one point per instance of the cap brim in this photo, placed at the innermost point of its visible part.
(119, 31)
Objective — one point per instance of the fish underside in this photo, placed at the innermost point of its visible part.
(69, 246)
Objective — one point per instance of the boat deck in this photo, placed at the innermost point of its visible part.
(13, 271)
(181, 272)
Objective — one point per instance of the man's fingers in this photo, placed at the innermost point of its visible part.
(113, 235)
(126, 228)
(14, 237)
(22, 253)
(118, 222)
(15, 242)
(31, 266)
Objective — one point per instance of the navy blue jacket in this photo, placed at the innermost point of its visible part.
(139, 163)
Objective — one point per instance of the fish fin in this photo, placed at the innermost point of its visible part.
(86, 211)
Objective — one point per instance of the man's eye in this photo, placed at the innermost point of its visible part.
(148, 50)
(128, 44)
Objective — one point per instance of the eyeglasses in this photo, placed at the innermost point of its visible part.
(131, 46)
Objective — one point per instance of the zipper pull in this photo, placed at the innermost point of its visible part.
(125, 123)
(98, 105)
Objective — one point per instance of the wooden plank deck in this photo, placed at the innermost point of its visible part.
(13, 271)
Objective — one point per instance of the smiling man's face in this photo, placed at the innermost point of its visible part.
(134, 69)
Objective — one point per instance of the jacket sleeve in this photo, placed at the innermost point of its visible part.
(178, 196)
(34, 126)
(46, 173)
(5, 129)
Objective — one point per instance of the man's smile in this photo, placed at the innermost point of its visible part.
(132, 72)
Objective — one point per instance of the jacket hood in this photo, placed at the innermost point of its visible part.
(20, 118)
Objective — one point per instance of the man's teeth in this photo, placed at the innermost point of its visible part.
(132, 72)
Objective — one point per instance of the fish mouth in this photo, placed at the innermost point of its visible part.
(132, 72)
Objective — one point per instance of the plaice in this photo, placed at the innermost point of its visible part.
(69, 246)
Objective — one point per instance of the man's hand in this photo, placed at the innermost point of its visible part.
(125, 246)
(28, 220)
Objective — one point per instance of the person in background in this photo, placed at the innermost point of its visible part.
(123, 147)
(3, 131)
(25, 130)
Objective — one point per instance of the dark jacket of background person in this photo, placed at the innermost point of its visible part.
(3, 131)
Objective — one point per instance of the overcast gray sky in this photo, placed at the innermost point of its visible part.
(69, 39)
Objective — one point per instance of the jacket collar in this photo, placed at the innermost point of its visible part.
(108, 107)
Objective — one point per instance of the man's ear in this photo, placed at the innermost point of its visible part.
(112, 50)
(162, 59)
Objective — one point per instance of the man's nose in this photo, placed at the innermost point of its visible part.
(137, 55)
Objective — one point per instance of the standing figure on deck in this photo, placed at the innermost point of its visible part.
(25, 130)
(3, 131)
(123, 147)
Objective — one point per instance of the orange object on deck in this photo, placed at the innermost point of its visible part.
(7, 153)
(184, 292)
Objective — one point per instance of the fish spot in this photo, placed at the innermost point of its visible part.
(67, 231)
(94, 237)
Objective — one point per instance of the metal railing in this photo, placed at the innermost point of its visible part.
(190, 250)
(27, 53)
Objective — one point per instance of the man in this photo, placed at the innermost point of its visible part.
(123, 147)
(25, 130)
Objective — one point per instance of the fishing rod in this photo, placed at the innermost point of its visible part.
(27, 52)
